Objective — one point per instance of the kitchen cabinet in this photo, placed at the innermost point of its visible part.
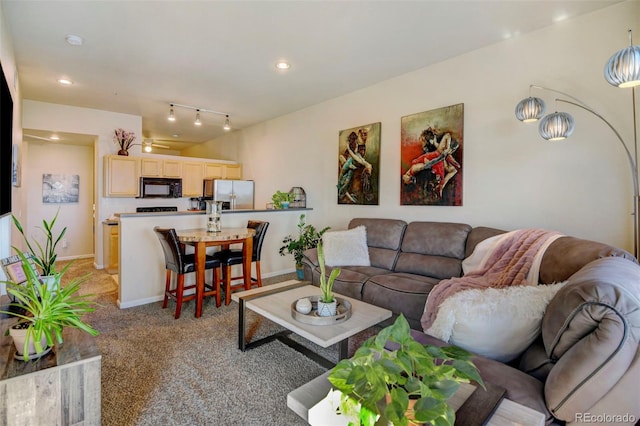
(150, 167)
(121, 176)
(232, 171)
(213, 170)
(110, 248)
(192, 177)
(172, 168)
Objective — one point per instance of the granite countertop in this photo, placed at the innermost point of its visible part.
(196, 212)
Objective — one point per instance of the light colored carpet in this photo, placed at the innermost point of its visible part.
(159, 370)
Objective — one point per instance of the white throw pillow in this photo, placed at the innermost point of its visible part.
(346, 248)
(496, 323)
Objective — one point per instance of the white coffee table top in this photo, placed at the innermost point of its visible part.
(277, 308)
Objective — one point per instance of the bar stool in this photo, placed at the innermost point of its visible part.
(229, 258)
(176, 260)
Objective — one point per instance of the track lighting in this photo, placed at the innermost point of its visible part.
(198, 121)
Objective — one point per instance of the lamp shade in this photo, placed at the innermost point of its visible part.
(556, 126)
(623, 68)
(530, 109)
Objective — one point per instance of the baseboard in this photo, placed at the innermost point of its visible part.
(139, 302)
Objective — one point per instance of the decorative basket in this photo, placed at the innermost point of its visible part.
(343, 312)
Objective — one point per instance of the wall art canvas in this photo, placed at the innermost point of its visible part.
(60, 188)
(431, 157)
(359, 165)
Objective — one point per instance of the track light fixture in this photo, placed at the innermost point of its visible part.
(198, 121)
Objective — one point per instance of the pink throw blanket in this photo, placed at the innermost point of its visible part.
(507, 265)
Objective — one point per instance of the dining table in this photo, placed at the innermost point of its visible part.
(200, 239)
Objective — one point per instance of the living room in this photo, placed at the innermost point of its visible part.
(512, 178)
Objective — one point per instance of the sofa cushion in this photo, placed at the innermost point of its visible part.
(383, 238)
(567, 255)
(346, 247)
(520, 387)
(433, 249)
(497, 323)
(400, 293)
(591, 332)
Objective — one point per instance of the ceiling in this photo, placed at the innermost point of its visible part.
(137, 57)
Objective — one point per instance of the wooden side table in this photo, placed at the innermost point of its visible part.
(63, 387)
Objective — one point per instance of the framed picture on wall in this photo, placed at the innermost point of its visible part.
(431, 148)
(58, 188)
(359, 165)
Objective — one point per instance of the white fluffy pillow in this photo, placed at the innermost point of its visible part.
(496, 323)
(346, 247)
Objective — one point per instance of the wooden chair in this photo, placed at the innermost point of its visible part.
(180, 263)
(229, 258)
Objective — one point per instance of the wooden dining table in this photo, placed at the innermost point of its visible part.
(200, 239)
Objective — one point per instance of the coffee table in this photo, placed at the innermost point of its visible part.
(274, 303)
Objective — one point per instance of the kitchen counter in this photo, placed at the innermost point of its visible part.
(196, 212)
(141, 261)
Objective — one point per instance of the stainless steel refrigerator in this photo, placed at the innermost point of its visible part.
(238, 193)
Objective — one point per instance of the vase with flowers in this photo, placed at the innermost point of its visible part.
(124, 139)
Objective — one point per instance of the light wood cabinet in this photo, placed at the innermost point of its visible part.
(121, 176)
(150, 167)
(110, 247)
(192, 176)
(172, 168)
(232, 171)
(213, 171)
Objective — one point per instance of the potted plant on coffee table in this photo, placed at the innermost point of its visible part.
(45, 257)
(308, 237)
(407, 385)
(327, 303)
(43, 313)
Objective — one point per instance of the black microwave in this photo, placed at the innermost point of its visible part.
(160, 187)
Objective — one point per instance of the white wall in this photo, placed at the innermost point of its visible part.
(76, 217)
(512, 177)
(69, 119)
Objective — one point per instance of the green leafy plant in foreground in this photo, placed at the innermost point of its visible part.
(376, 382)
(45, 311)
(46, 256)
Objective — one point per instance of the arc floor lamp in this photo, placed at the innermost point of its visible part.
(622, 70)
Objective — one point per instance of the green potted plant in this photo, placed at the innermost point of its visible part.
(45, 257)
(308, 237)
(281, 199)
(327, 304)
(377, 383)
(42, 313)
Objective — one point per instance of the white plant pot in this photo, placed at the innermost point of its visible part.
(19, 335)
(327, 309)
(51, 283)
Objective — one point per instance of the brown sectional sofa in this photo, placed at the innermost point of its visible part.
(586, 363)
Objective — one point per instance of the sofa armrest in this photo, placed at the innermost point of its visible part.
(591, 333)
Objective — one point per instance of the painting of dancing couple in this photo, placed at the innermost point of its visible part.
(359, 165)
(431, 157)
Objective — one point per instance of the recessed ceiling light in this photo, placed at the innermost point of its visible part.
(283, 65)
(65, 81)
(74, 40)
